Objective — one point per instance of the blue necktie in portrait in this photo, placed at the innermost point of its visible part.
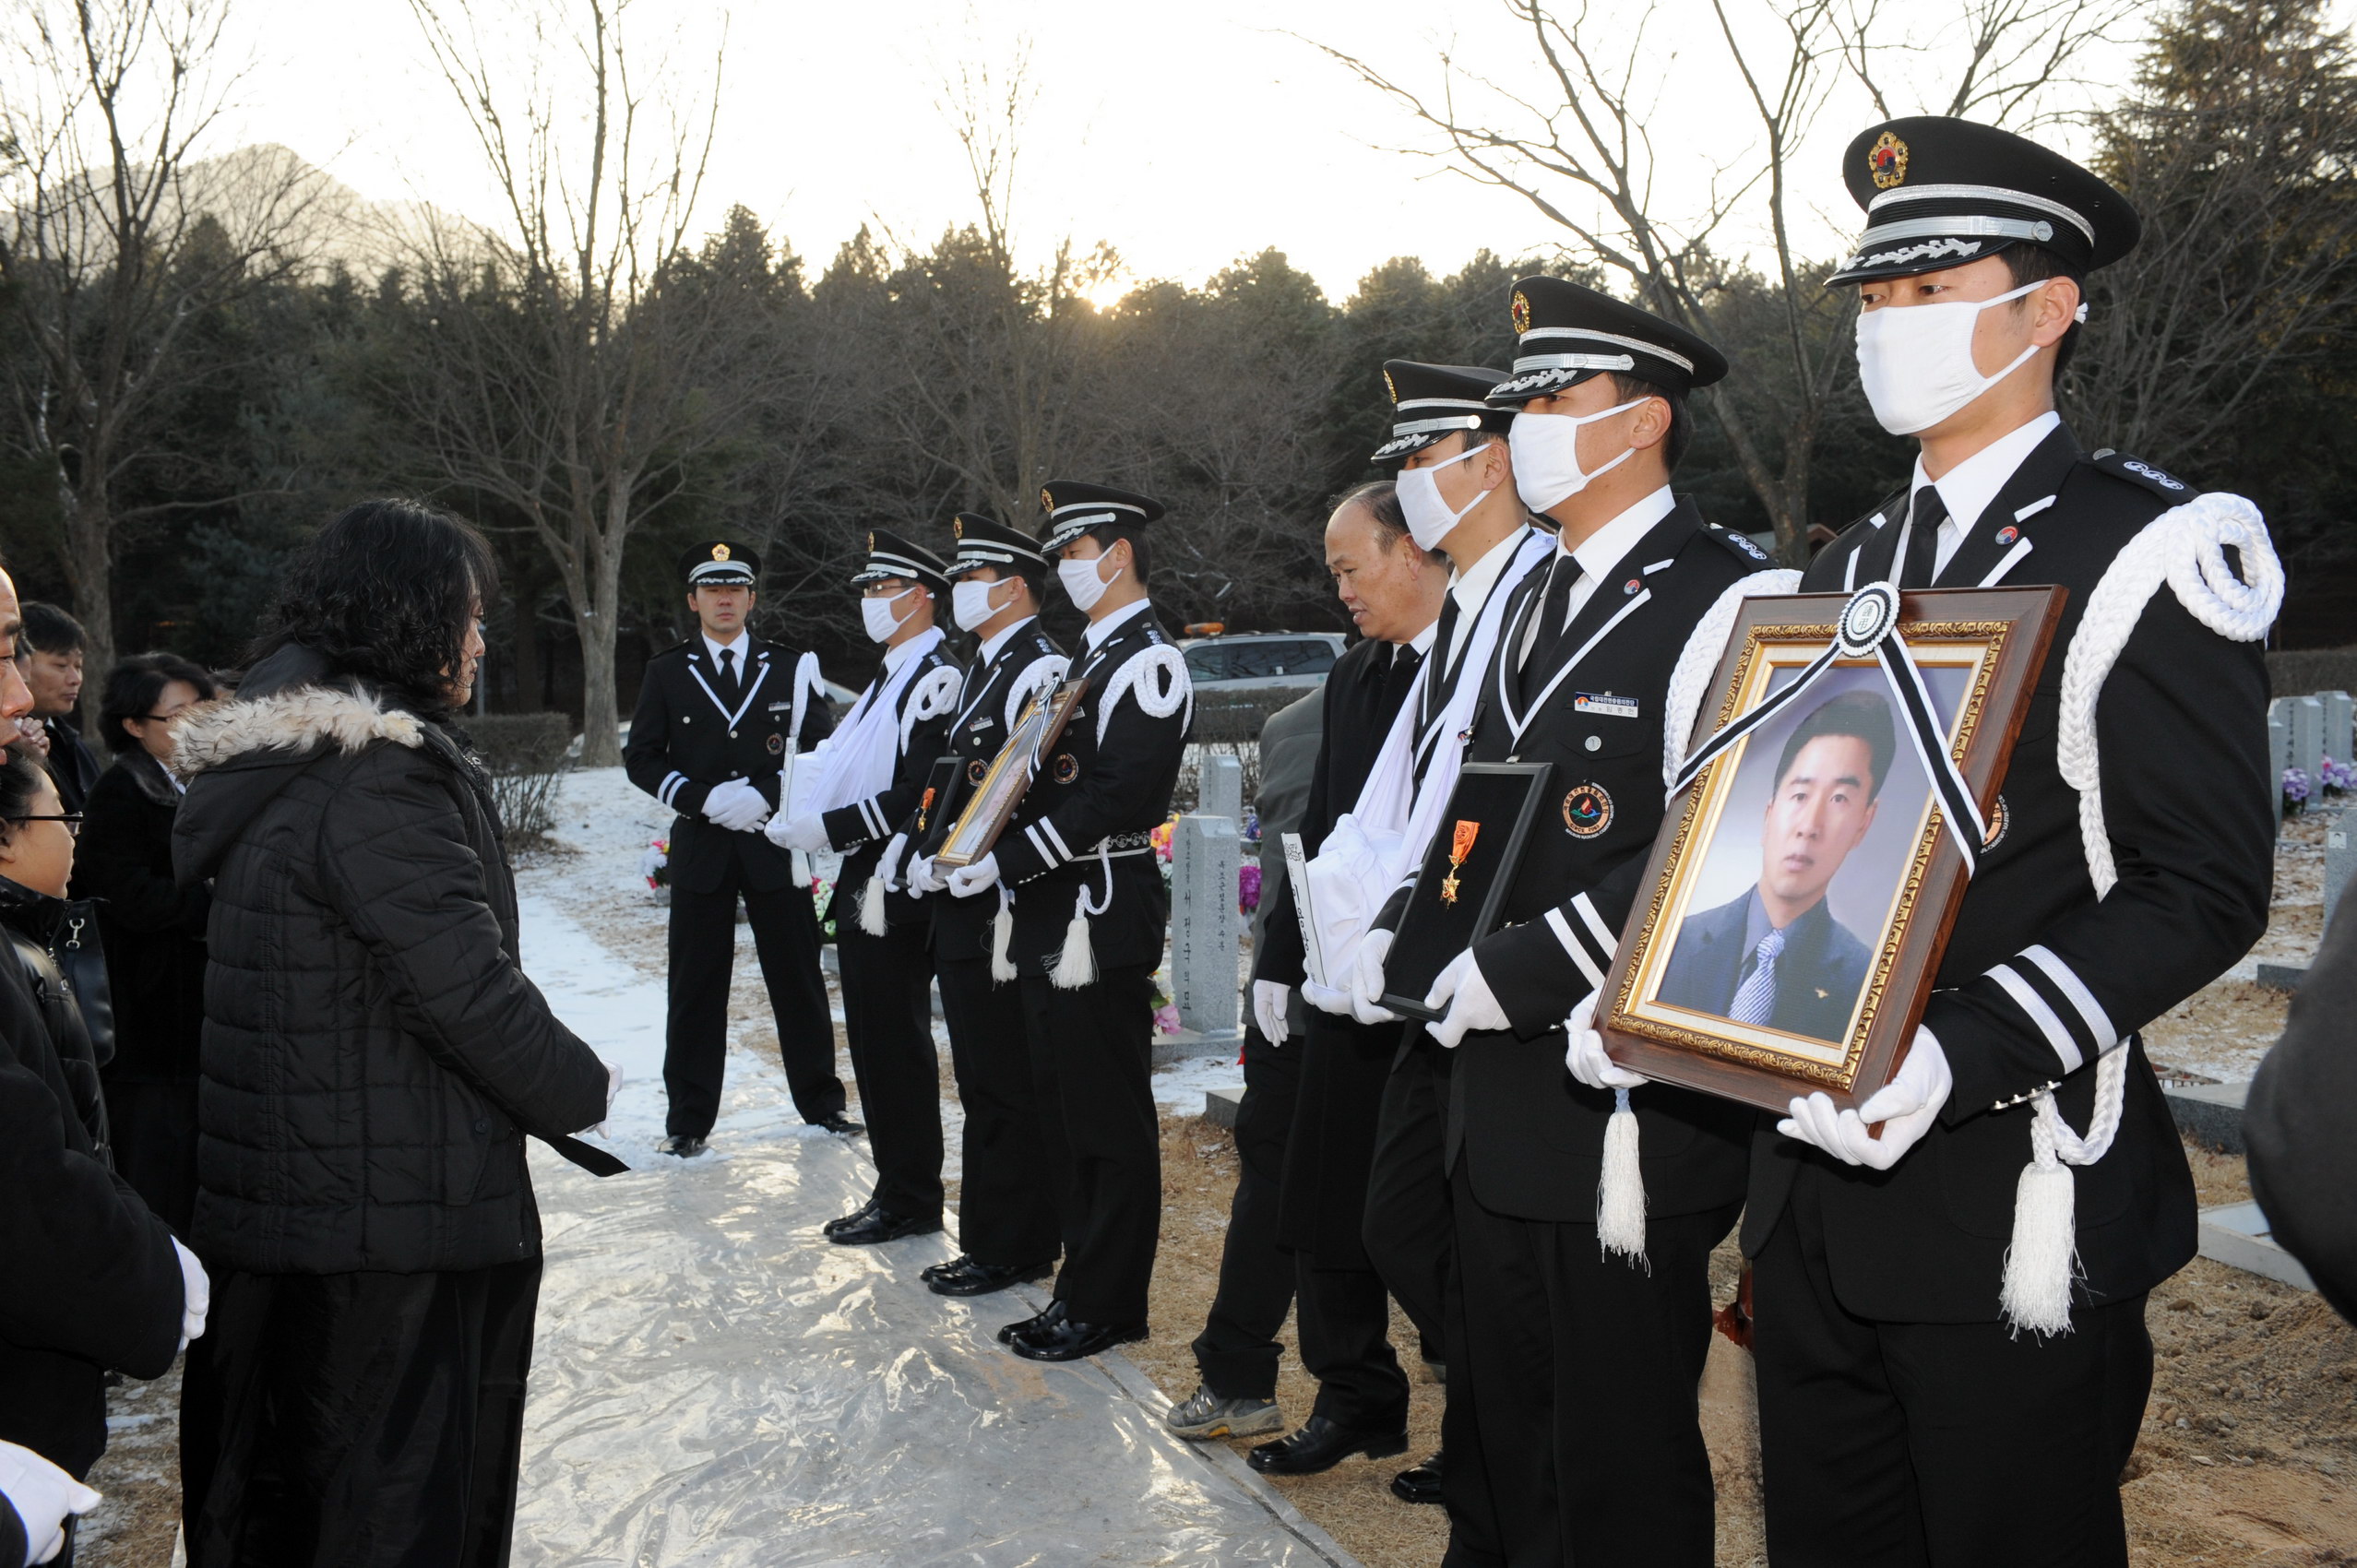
(1756, 998)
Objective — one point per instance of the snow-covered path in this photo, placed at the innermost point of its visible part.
(715, 1383)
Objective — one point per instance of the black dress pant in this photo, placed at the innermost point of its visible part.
(888, 1021)
(1410, 1226)
(1006, 1197)
(1936, 1444)
(1237, 1351)
(702, 954)
(1091, 1060)
(153, 1124)
(363, 1420)
(1573, 1425)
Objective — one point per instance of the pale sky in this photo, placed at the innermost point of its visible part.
(1187, 136)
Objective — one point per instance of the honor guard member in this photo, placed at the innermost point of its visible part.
(1090, 913)
(1949, 1318)
(1575, 1353)
(1007, 1196)
(718, 718)
(1456, 492)
(868, 780)
(1393, 589)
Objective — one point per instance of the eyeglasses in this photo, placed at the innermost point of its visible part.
(72, 820)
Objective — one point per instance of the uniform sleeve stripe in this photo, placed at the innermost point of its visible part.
(2074, 989)
(871, 818)
(2048, 1021)
(1575, 948)
(1606, 942)
(670, 789)
(1039, 846)
(1048, 830)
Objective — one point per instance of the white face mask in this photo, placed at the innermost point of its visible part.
(970, 603)
(1916, 361)
(879, 617)
(1429, 518)
(1546, 456)
(1081, 583)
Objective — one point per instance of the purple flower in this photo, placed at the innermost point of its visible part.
(2295, 786)
(2338, 776)
(1249, 889)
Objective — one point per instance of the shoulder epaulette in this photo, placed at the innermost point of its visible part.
(1741, 546)
(680, 646)
(2137, 471)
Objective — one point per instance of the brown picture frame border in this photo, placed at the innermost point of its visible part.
(991, 803)
(2015, 625)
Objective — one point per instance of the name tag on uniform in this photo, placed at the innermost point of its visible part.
(781, 707)
(1604, 705)
(978, 725)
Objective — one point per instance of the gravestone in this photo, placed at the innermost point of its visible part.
(1207, 851)
(2336, 724)
(2307, 714)
(2279, 754)
(2340, 863)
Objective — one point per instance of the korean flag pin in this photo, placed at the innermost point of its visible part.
(2007, 534)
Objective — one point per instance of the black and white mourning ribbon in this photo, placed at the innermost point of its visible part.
(1869, 624)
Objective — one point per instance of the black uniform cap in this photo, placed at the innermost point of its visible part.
(1941, 192)
(1075, 507)
(890, 555)
(1432, 400)
(1569, 332)
(985, 542)
(718, 561)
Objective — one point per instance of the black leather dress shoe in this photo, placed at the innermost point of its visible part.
(840, 1124)
(686, 1146)
(967, 1277)
(1054, 1313)
(1067, 1340)
(1320, 1446)
(1421, 1484)
(883, 1225)
(933, 1271)
(859, 1216)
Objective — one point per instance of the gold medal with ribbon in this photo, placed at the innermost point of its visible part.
(1460, 845)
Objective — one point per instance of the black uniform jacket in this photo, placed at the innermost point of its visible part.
(1108, 778)
(1361, 699)
(683, 740)
(861, 831)
(1532, 1134)
(2181, 730)
(990, 703)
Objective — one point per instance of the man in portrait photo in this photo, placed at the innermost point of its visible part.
(1776, 957)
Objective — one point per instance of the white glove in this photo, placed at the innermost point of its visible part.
(1464, 991)
(44, 1498)
(1584, 1053)
(923, 878)
(967, 881)
(736, 805)
(1327, 999)
(196, 1296)
(1268, 1000)
(1366, 980)
(1907, 1107)
(612, 1088)
(805, 831)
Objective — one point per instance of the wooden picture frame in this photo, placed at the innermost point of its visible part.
(1843, 996)
(992, 803)
(1468, 872)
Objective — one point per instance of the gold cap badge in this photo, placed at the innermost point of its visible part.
(1389, 391)
(1047, 502)
(871, 544)
(1887, 160)
(720, 552)
(1521, 314)
(956, 528)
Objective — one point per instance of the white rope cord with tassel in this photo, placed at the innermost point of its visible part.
(1077, 965)
(1002, 938)
(2184, 547)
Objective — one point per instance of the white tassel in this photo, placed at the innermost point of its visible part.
(1002, 942)
(872, 903)
(1620, 1191)
(1077, 966)
(2044, 1258)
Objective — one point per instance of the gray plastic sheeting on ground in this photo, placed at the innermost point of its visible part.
(716, 1383)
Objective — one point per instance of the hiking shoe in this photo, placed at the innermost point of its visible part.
(1207, 1415)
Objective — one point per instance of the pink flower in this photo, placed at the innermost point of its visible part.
(1248, 888)
(1166, 1019)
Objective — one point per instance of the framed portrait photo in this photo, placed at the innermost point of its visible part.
(992, 798)
(1799, 895)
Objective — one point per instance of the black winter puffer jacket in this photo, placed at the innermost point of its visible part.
(372, 1055)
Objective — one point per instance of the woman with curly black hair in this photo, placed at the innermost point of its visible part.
(373, 1060)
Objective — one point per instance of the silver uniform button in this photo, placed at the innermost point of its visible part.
(1595, 743)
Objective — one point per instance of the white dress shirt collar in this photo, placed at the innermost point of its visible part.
(1967, 489)
(1100, 630)
(1422, 641)
(741, 644)
(989, 650)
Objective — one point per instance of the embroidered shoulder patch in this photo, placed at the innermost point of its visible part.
(1741, 546)
(2136, 470)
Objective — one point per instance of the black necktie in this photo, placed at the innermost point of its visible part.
(1396, 681)
(1554, 608)
(729, 690)
(1923, 540)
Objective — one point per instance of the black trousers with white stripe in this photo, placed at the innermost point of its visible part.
(703, 954)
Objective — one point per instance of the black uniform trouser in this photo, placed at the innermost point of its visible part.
(1091, 1059)
(1237, 1351)
(1936, 1444)
(703, 954)
(888, 1020)
(1006, 1194)
(1573, 1425)
(1408, 1225)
